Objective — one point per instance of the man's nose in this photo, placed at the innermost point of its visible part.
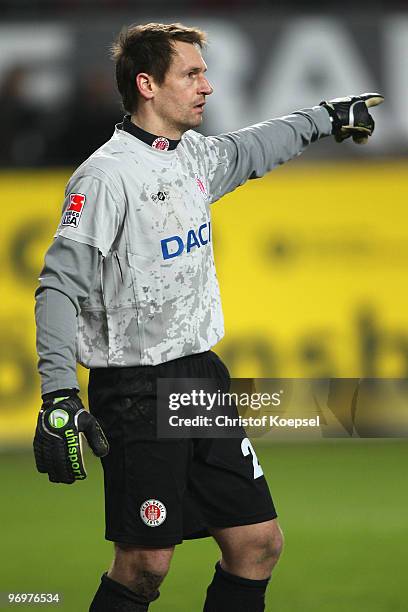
(206, 87)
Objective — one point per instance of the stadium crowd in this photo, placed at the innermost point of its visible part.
(35, 135)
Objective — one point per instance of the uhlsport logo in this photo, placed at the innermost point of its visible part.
(73, 213)
(175, 245)
(74, 454)
(160, 196)
(58, 418)
(153, 513)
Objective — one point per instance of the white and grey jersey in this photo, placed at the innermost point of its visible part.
(153, 295)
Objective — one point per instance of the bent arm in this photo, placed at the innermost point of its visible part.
(69, 270)
(253, 151)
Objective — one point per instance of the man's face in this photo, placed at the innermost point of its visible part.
(179, 101)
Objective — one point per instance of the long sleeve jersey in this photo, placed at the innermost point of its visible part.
(130, 277)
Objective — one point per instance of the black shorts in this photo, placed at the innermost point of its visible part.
(160, 491)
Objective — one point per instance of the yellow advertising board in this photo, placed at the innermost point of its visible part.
(311, 260)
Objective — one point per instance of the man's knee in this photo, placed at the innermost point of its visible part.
(270, 545)
(140, 569)
(251, 548)
(263, 544)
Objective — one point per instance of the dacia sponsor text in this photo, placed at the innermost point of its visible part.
(195, 238)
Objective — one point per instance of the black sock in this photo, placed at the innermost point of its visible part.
(229, 593)
(112, 596)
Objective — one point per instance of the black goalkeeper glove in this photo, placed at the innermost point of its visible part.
(57, 441)
(350, 116)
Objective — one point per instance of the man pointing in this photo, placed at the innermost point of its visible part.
(129, 290)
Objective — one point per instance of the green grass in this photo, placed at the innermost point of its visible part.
(342, 505)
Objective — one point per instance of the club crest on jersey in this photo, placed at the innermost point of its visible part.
(201, 186)
(73, 213)
(161, 144)
(153, 513)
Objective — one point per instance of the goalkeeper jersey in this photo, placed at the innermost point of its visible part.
(147, 211)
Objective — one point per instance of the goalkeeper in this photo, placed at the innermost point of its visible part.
(129, 290)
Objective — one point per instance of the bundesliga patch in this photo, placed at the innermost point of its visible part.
(73, 213)
(153, 513)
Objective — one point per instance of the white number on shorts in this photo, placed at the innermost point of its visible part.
(247, 448)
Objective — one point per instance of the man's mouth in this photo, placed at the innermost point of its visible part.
(200, 106)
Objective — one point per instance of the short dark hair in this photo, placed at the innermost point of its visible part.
(147, 48)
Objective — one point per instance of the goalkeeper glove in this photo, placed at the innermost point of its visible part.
(350, 116)
(57, 441)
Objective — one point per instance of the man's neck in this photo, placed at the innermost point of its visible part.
(154, 125)
(153, 140)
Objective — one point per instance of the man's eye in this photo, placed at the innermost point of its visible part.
(191, 74)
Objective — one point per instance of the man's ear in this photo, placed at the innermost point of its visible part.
(145, 85)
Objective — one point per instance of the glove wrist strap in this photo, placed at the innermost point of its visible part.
(336, 123)
(59, 393)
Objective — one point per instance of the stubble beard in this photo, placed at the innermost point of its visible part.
(186, 121)
(194, 122)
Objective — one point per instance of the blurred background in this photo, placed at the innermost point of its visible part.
(311, 260)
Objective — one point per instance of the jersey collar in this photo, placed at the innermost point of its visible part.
(159, 143)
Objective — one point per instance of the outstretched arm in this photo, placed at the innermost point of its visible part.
(253, 151)
(235, 157)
